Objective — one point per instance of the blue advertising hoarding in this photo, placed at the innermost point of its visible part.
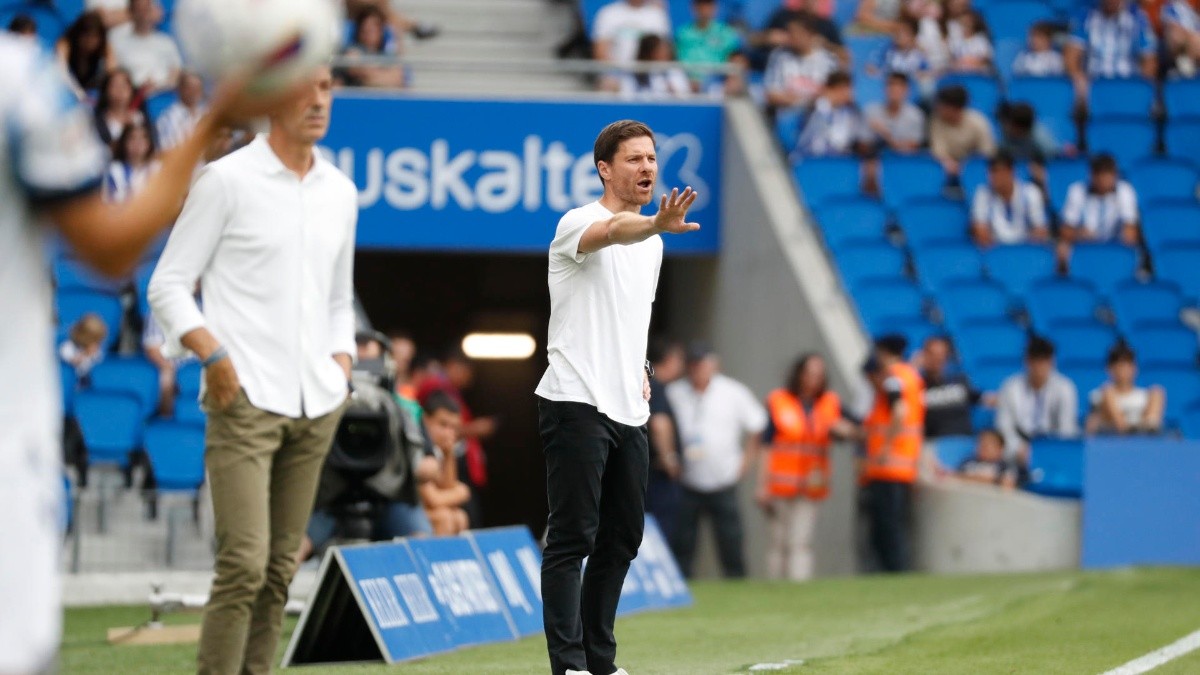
(473, 610)
(513, 558)
(496, 176)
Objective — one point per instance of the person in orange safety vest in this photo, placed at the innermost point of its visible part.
(794, 478)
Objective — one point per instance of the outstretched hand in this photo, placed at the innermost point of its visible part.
(672, 212)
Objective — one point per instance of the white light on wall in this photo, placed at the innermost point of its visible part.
(499, 345)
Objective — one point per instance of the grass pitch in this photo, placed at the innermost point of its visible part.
(1084, 623)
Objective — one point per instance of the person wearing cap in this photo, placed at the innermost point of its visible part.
(720, 422)
(895, 430)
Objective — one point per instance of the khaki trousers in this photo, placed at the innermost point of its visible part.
(263, 471)
(789, 552)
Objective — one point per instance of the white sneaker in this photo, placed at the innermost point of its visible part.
(620, 671)
(578, 672)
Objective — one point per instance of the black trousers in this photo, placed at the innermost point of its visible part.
(889, 505)
(596, 473)
(722, 507)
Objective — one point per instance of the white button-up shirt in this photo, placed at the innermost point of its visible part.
(714, 424)
(274, 254)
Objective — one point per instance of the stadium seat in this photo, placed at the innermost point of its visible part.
(1182, 387)
(1104, 265)
(1178, 265)
(71, 305)
(943, 265)
(821, 178)
(1058, 302)
(1139, 305)
(1129, 141)
(928, 222)
(1189, 422)
(867, 262)
(188, 375)
(989, 376)
(1110, 98)
(141, 287)
(1167, 346)
(1050, 96)
(73, 275)
(865, 50)
(1082, 343)
(906, 178)
(67, 385)
(1087, 375)
(176, 453)
(788, 124)
(980, 343)
(1166, 226)
(50, 23)
(1018, 266)
(1182, 99)
(983, 417)
(868, 88)
(1009, 20)
(1182, 138)
(1004, 52)
(1060, 174)
(915, 329)
(951, 451)
(188, 410)
(881, 303)
(1163, 179)
(111, 423)
(853, 221)
(1056, 468)
(135, 376)
(983, 91)
(971, 302)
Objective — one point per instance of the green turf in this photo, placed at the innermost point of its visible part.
(1082, 623)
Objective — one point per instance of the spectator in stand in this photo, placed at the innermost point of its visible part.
(958, 132)
(989, 465)
(659, 84)
(879, 16)
(903, 55)
(948, 396)
(370, 40)
(150, 55)
(114, 12)
(706, 41)
(972, 51)
(941, 29)
(401, 23)
(403, 349)
(1007, 210)
(445, 496)
(134, 162)
(1114, 39)
(1038, 402)
(23, 25)
(1024, 139)
(178, 120)
(1102, 209)
(776, 32)
(1119, 406)
(796, 72)
(1181, 37)
(118, 107)
(898, 124)
(835, 126)
(667, 359)
(85, 52)
(1039, 58)
(619, 26)
(84, 347)
(720, 422)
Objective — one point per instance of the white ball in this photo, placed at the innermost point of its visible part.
(293, 37)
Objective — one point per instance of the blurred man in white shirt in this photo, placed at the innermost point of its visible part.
(618, 27)
(150, 55)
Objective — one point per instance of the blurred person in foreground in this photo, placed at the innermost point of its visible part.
(1120, 406)
(50, 176)
(1038, 402)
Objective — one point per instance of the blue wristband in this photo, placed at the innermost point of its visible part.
(218, 354)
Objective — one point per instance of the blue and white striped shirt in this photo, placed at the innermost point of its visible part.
(911, 62)
(1115, 44)
(830, 130)
(1010, 220)
(1179, 12)
(1039, 64)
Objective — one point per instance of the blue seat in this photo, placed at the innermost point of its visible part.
(50, 23)
(1138, 305)
(928, 222)
(884, 302)
(188, 411)
(983, 91)
(141, 287)
(111, 423)
(944, 265)
(852, 221)
(906, 178)
(969, 302)
(158, 103)
(1163, 179)
(1018, 266)
(1110, 98)
(788, 124)
(1127, 140)
(1182, 138)
(68, 383)
(1182, 99)
(990, 375)
(1082, 342)
(983, 418)
(1060, 174)
(176, 453)
(1005, 52)
(1050, 96)
(73, 275)
(980, 343)
(821, 178)
(865, 50)
(1056, 302)
(1056, 468)
(915, 329)
(1104, 265)
(951, 451)
(188, 376)
(1012, 18)
(1182, 387)
(1189, 421)
(1087, 374)
(72, 305)
(866, 262)
(1178, 265)
(868, 88)
(1165, 346)
(135, 376)
(1167, 226)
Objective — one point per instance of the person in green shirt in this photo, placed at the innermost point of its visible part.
(706, 40)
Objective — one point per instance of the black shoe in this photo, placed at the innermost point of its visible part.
(425, 31)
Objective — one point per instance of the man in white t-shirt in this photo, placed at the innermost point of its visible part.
(619, 26)
(592, 407)
(149, 55)
(1007, 210)
(720, 422)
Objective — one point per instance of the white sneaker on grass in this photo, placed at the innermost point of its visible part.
(578, 672)
(620, 671)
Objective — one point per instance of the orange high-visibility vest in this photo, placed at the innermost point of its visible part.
(798, 460)
(896, 460)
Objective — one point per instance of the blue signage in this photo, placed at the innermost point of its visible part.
(513, 558)
(477, 175)
(463, 590)
(654, 580)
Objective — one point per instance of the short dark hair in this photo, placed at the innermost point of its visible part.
(1022, 116)
(661, 346)
(121, 152)
(1001, 159)
(22, 23)
(892, 343)
(1103, 162)
(953, 95)
(1039, 347)
(611, 137)
(897, 76)
(440, 400)
(804, 21)
(1043, 28)
(793, 383)
(647, 45)
(1121, 351)
(910, 23)
(839, 78)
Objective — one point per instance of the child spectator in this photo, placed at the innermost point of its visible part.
(1121, 407)
(117, 106)
(903, 55)
(370, 39)
(670, 83)
(989, 465)
(445, 496)
(958, 132)
(178, 120)
(1039, 58)
(796, 72)
(834, 126)
(133, 163)
(898, 124)
(1102, 209)
(971, 52)
(1007, 210)
(1181, 36)
(707, 40)
(85, 53)
(84, 347)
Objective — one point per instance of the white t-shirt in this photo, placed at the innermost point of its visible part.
(1131, 405)
(148, 58)
(713, 425)
(600, 307)
(1101, 215)
(624, 25)
(1010, 220)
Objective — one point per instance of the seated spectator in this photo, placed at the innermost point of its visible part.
(177, 121)
(1114, 39)
(84, 347)
(971, 52)
(879, 16)
(1007, 210)
(445, 496)
(1024, 139)
(948, 396)
(84, 52)
(132, 165)
(776, 32)
(1039, 58)
(23, 25)
(958, 132)
(114, 12)
(989, 464)
(370, 40)
(1036, 403)
(150, 55)
(941, 28)
(1102, 209)
(117, 106)
(1119, 406)
(706, 41)
(903, 55)
(797, 72)
(898, 124)
(1181, 37)
(670, 83)
(619, 26)
(834, 126)
(401, 23)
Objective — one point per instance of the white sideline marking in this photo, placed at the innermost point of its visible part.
(758, 667)
(1156, 658)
